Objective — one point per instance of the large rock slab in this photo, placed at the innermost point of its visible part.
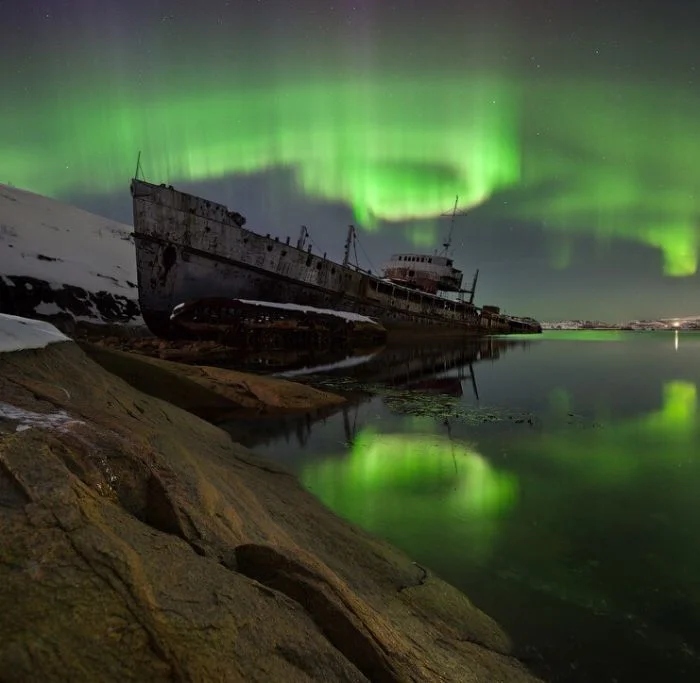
(210, 392)
(140, 543)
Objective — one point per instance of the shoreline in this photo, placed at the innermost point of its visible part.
(148, 520)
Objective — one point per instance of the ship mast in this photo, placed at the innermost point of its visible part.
(138, 167)
(473, 289)
(303, 234)
(448, 243)
(348, 244)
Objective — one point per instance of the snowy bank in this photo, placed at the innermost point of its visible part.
(17, 334)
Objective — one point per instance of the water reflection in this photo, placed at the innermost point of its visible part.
(298, 362)
(438, 370)
(397, 479)
(607, 525)
(404, 366)
(377, 362)
(577, 530)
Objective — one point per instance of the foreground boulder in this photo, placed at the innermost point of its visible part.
(140, 543)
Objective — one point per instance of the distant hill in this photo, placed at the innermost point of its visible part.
(63, 264)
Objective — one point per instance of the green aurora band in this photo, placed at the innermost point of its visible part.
(391, 151)
(617, 161)
(575, 159)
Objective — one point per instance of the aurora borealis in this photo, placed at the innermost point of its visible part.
(568, 132)
(384, 171)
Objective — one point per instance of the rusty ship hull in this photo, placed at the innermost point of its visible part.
(188, 248)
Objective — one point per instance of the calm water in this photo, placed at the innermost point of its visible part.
(556, 481)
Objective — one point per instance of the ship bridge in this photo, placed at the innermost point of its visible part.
(428, 272)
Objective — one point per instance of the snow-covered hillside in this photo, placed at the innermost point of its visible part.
(59, 262)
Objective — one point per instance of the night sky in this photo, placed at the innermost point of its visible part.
(570, 130)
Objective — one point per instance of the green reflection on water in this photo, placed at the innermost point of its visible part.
(596, 515)
(679, 412)
(617, 446)
(614, 504)
(587, 335)
(417, 482)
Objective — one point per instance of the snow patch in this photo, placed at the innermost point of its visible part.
(346, 315)
(17, 334)
(28, 419)
(47, 309)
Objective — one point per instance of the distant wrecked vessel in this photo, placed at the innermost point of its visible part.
(188, 248)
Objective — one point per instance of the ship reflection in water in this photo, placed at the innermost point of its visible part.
(294, 363)
(563, 504)
(391, 363)
(439, 370)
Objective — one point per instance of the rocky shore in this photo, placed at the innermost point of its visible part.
(141, 543)
(212, 393)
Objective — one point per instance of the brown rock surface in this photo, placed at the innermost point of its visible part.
(140, 543)
(179, 350)
(209, 392)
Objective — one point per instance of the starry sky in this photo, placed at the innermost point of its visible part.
(568, 129)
